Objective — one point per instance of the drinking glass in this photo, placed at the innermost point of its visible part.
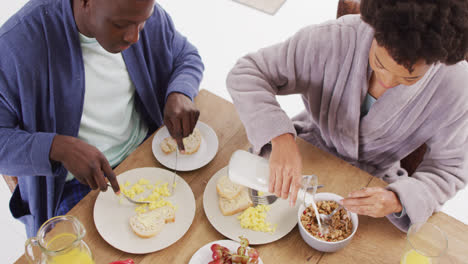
(425, 243)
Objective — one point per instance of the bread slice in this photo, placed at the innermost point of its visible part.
(236, 205)
(150, 223)
(191, 143)
(227, 189)
(169, 214)
(168, 145)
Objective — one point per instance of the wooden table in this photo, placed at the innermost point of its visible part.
(376, 240)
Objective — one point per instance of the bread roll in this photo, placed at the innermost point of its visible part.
(191, 143)
(150, 223)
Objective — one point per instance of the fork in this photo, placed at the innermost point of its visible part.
(175, 172)
(130, 199)
(266, 199)
(261, 199)
(327, 218)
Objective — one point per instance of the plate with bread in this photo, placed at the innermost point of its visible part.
(141, 229)
(200, 148)
(230, 210)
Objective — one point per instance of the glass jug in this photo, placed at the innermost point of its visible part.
(253, 171)
(59, 241)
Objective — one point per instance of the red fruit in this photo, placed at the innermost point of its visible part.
(240, 259)
(225, 250)
(253, 253)
(215, 247)
(252, 261)
(217, 255)
(218, 261)
(244, 242)
(241, 251)
(305, 212)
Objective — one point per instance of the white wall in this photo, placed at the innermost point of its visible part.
(223, 31)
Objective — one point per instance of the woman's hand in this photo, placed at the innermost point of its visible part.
(285, 167)
(373, 201)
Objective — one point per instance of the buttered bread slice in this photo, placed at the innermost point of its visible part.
(236, 205)
(227, 189)
(150, 223)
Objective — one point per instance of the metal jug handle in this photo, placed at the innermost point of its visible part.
(29, 251)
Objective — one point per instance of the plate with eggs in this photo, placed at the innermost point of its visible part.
(230, 210)
(141, 229)
(200, 148)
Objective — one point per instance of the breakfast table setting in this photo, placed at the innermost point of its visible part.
(198, 228)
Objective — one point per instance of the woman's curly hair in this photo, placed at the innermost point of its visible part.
(410, 30)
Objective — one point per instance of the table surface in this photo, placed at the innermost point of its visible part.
(376, 240)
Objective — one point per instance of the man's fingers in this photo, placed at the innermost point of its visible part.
(169, 125)
(196, 115)
(177, 133)
(111, 177)
(186, 126)
(100, 180)
(91, 182)
(194, 119)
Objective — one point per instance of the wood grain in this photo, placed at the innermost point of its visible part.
(376, 240)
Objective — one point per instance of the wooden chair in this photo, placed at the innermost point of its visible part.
(11, 182)
(411, 162)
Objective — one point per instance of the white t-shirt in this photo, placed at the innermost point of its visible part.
(110, 121)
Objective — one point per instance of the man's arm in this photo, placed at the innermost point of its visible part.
(180, 112)
(21, 153)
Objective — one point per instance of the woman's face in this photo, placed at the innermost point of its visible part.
(388, 73)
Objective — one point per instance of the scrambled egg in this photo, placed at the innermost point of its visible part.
(155, 197)
(254, 218)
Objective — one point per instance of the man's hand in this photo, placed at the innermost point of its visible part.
(373, 201)
(285, 167)
(84, 161)
(180, 117)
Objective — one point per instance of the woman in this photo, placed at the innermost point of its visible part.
(375, 88)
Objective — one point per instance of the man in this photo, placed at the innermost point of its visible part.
(82, 84)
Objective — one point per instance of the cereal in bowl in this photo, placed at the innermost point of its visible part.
(340, 226)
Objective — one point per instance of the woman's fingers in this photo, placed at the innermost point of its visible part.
(278, 181)
(287, 179)
(294, 189)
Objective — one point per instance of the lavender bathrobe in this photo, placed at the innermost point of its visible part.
(328, 65)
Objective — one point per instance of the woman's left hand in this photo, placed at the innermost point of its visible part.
(373, 201)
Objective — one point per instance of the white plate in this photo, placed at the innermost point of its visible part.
(112, 217)
(206, 152)
(204, 254)
(280, 213)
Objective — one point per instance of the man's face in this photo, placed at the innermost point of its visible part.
(116, 24)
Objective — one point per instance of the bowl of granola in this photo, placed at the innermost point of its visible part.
(336, 233)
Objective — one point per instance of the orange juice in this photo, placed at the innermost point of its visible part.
(413, 257)
(77, 255)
